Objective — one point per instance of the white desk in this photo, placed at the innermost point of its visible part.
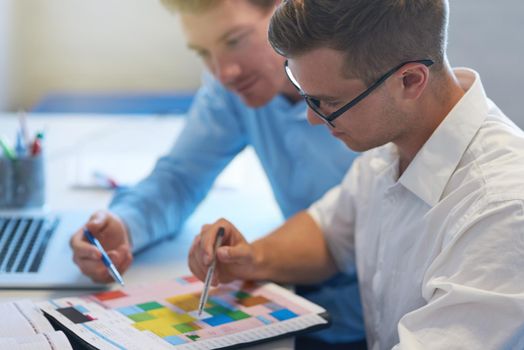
(72, 138)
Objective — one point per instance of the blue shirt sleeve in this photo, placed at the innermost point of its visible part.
(158, 205)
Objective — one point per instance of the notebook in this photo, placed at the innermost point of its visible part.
(35, 251)
(165, 316)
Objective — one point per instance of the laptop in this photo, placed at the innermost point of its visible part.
(35, 251)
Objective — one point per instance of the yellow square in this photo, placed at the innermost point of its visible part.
(161, 313)
(162, 330)
(186, 302)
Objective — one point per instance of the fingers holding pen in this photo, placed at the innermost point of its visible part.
(98, 223)
(94, 269)
(82, 248)
(208, 238)
(202, 249)
(214, 241)
(121, 258)
(231, 251)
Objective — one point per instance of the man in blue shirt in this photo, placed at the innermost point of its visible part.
(245, 99)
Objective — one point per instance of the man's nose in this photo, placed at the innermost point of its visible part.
(226, 71)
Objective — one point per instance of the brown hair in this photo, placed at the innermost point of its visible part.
(375, 35)
(197, 6)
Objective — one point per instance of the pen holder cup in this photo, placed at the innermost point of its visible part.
(22, 182)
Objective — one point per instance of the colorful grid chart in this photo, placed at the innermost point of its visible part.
(165, 315)
(230, 308)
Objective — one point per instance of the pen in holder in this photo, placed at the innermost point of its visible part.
(22, 182)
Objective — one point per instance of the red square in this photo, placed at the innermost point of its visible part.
(113, 294)
(191, 279)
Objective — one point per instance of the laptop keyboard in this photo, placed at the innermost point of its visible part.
(23, 242)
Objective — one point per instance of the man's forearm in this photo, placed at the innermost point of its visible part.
(295, 253)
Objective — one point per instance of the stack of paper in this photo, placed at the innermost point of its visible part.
(24, 327)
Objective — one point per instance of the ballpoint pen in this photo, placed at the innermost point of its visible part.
(22, 119)
(105, 258)
(210, 271)
(20, 146)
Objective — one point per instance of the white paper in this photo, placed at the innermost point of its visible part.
(45, 341)
(87, 170)
(22, 318)
(24, 327)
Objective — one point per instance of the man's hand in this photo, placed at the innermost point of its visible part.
(295, 253)
(112, 234)
(235, 257)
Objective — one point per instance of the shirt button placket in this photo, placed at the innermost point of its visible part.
(377, 282)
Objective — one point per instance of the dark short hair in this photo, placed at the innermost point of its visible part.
(375, 35)
(195, 6)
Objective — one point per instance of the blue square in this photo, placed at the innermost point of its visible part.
(130, 310)
(283, 314)
(81, 309)
(264, 320)
(174, 340)
(218, 320)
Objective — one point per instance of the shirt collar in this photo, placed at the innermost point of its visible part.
(434, 164)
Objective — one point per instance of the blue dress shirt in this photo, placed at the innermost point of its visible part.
(301, 162)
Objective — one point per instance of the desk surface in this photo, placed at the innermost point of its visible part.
(70, 138)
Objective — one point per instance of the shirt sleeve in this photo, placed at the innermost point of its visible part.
(335, 214)
(475, 286)
(158, 205)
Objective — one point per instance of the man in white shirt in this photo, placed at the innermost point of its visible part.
(432, 213)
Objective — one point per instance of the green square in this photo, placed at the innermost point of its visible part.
(238, 315)
(150, 306)
(242, 295)
(217, 310)
(184, 327)
(193, 337)
(143, 316)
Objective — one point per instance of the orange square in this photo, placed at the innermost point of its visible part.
(253, 301)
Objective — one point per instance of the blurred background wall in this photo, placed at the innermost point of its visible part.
(488, 36)
(136, 45)
(6, 52)
(98, 46)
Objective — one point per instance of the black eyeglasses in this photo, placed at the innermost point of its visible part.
(314, 103)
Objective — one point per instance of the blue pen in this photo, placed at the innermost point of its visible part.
(20, 147)
(105, 258)
(23, 128)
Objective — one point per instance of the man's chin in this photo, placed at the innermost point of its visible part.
(254, 100)
(351, 144)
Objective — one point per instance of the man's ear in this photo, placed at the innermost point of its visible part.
(415, 78)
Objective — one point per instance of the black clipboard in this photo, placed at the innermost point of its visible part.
(80, 344)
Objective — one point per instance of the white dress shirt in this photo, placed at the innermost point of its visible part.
(440, 250)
